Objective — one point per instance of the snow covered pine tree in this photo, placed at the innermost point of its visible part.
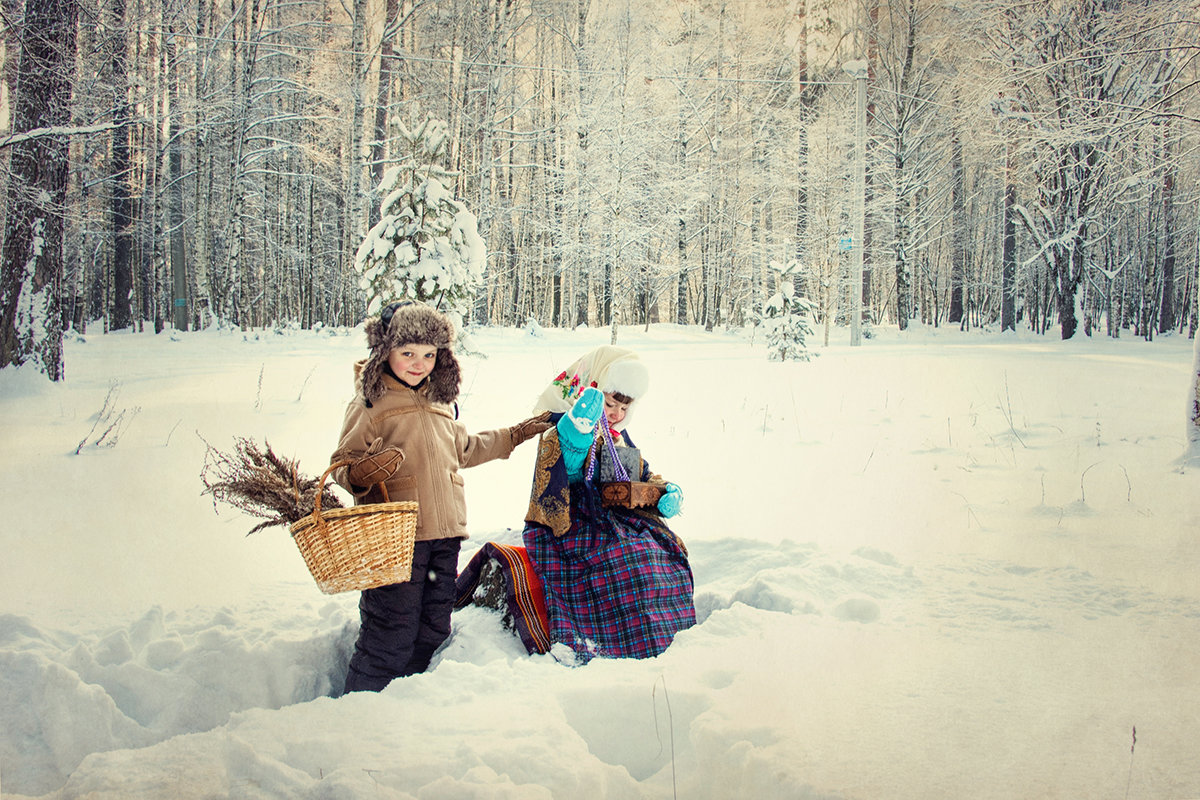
(426, 245)
(784, 319)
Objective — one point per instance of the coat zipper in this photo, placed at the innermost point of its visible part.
(428, 430)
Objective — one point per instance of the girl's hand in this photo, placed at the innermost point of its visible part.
(575, 430)
(587, 409)
(671, 502)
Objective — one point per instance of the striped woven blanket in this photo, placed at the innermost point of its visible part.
(501, 577)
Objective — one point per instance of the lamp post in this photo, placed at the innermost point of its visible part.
(858, 70)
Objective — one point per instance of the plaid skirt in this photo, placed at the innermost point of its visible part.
(617, 583)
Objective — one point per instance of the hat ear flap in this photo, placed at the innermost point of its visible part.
(375, 332)
(379, 340)
(371, 379)
(446, 377)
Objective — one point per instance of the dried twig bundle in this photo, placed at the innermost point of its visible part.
(261, 483)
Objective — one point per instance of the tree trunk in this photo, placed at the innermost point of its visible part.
(1008, 259)
(1066, 286)
(11, 12)
(807, 100)
(903, 193)
(178, 255)
(1193, 422)
(149, 210)
(354, 155)
(1166, 307)
(681, 294)
(606, 316)
(383, 99)
(31, 324)
(121, 206)
(958, 214)
(903, 267)
(582, 261)
(202, 167)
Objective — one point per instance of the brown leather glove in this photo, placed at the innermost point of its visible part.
(524, 431)
(377, 465)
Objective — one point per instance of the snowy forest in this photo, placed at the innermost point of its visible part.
(974, 163)
(942, 533)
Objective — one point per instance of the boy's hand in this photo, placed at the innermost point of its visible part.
(587, 409)
(524, 431)
(671, 501)
(377, 465)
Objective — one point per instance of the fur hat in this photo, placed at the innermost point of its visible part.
(411, 322)
(627, 376)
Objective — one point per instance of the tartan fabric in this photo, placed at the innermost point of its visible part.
(617, 582)
(523, 599)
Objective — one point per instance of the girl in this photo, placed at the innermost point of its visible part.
(616, 580)
(400, 430)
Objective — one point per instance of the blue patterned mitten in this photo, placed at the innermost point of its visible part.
(670, 503)
(587, 410)
(575, 430)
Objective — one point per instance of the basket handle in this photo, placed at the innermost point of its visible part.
(321, 487)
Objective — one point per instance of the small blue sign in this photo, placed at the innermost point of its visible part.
(846, 243)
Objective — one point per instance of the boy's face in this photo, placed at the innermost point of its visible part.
(412, 362)
(614, 409)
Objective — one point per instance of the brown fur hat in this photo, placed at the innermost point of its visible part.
(411, 322)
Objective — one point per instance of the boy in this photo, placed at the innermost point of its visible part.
(400, 431)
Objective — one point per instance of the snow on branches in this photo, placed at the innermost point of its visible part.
(785, 320)
(426, 245)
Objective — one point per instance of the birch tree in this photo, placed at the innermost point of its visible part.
(177, 248)
(1086, 77)
(121, 204)
(906, 119)
(1192, 450)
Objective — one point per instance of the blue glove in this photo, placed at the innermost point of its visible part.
(575, 430)
(671, 501)
(587, 410)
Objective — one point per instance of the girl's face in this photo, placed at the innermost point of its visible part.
(614, 409)
(412, 363)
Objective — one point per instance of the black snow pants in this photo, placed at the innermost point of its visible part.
(404, 623)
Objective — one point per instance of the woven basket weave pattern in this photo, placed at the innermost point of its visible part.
(357, 548)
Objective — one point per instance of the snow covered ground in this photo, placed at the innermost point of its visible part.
(940, 565)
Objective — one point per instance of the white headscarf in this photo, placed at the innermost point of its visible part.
(609, 369)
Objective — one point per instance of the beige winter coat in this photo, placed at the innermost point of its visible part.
(435, 447)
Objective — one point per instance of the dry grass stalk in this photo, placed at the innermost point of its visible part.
(262, 484)
(114, 425)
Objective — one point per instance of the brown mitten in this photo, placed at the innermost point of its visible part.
(524, 431)
(377, 465)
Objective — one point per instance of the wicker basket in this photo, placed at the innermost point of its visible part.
(363, 547)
